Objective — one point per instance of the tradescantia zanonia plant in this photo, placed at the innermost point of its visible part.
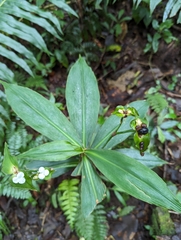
(84, 146)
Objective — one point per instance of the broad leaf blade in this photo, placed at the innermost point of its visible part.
(148, 159)
(106, 131)
(134, 178)
(92, 188)
(82, 97)
(53, 151)
(40, 114)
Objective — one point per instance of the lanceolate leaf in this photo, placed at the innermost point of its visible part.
(36, 10)
(18, 12)
(92, 188)
(17, 47)
(82, 96)
(21, 30)
(53, 151)
(168, 8)
(134, 178)
(13, 57)
(40, 114)
(106, 131)
(64, 6)
(148, 159)
(6, 73)
(153, 4)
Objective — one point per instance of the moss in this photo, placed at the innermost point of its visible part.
(162, 223)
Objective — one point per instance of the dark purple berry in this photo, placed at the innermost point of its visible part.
(143, 131)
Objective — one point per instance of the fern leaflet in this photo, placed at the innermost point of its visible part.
(157, 102)
(94, 226)
(69, 199)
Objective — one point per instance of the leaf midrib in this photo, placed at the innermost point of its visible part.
(122, 169)
(48, 120)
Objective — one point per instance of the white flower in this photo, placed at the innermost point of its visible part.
(19, 178)
(42, 173)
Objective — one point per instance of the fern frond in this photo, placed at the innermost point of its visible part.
(10, 13)
(69, 199)
(16, 138)
(84, 227)
(9, 191)
(20, 77)
(157, 102)
(38, 141)
(94, 226)
(100, 223)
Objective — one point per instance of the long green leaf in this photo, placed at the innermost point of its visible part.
(18, 47)
(13, 57)
(21, 30)
(59, 167)
(18, 12)
(153, 4)
(106, 131)
(64, 6)
(40, 114)
(92, 188)
(168, 9)
(53, 151)
(175, 8)
(6, 73)
(83, 100)
(134, 178)
(148, 159)
(36, 10)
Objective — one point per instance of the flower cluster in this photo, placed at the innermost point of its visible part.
(19, 178)
(42, 173)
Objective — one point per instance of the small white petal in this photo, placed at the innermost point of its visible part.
(20, 174)
(22, 180)
(41, 169)
(41, 176)
(15, 179)
(19, 178)
(46, 172)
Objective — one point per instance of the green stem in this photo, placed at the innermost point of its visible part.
(114, 134)
(2, 3)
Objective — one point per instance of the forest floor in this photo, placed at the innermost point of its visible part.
(119, 87)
